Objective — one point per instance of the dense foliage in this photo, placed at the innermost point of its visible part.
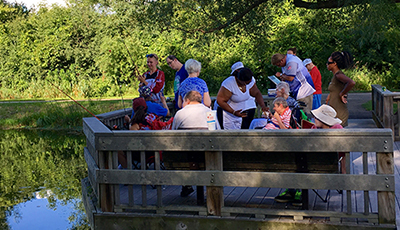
(84, 48)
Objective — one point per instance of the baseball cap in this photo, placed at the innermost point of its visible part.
(236, 66)
(307, 61)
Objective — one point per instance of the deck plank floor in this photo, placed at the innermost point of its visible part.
(264, 197)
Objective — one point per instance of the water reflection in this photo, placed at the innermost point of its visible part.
(41, 169)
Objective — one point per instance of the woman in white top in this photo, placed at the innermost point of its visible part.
(233, 97)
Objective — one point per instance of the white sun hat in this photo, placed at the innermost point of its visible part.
(326, 114)
(236, 66)
(307, 61)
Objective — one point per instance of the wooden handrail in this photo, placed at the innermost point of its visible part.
(104, 144)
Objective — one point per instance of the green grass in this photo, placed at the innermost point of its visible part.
(53, 115)
(368, 106)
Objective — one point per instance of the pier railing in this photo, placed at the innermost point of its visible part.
(103, 145)
(383, 102)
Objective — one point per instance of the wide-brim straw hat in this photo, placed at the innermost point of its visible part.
(326, 114)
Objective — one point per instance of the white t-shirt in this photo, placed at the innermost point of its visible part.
(238, 100)
(191, 116)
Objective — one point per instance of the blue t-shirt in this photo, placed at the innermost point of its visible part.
(180, 76)
(155, 108)
(193, 83)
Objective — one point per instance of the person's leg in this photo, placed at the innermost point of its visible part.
(316, 101)
(308, 101)
(246, 121)
(258, 123)
(220, 116)
(122, 159)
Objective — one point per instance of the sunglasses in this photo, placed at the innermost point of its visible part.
(152, 56)
(329, 62)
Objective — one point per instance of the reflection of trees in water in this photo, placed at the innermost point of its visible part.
(36, 161)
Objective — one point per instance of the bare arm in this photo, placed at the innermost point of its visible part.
(284, 76)
(223, 97)
(164, 102)
(348, 85)
(207, 99)
(280, 123)
(255, 92)
(134, 127)
(180, 101)
(142, 79)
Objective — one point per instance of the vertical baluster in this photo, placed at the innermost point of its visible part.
(143, 167)
(130, 187)
(159, 187)
(116, 187)
(366, 193)
(348, 192)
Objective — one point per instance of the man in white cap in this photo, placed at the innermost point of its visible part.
(316, 78)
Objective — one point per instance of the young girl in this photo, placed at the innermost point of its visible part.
(325, 118)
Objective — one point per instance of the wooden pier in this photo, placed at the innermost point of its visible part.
(148, 198)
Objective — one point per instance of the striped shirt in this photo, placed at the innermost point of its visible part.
(285, 117)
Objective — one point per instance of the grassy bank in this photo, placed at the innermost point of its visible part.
(53, 115)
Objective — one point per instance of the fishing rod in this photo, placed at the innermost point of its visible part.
(129, 53)
(73, 99)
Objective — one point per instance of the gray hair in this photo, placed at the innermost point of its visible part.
(281, 101)
(192, 66)
(193, 96)
(283, 85)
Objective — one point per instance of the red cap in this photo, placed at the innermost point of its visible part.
(138, 102)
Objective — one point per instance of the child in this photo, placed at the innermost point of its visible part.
(281, 117)
(325, 118)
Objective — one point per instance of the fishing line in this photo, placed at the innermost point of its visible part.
(73, 99)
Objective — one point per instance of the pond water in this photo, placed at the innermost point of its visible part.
(40, 174)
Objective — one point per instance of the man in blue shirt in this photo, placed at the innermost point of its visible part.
(152, 107)
(297, 76)
(180, 76)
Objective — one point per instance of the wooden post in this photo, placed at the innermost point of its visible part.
(386, 200)
(388, 112)
(106, 190)
(215, 194)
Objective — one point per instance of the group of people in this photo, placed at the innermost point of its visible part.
(238, 94)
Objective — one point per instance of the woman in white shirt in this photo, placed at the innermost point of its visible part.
(233, 97)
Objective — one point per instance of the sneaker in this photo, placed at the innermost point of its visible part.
(284, 197)
(298, 200)
(186, 190)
